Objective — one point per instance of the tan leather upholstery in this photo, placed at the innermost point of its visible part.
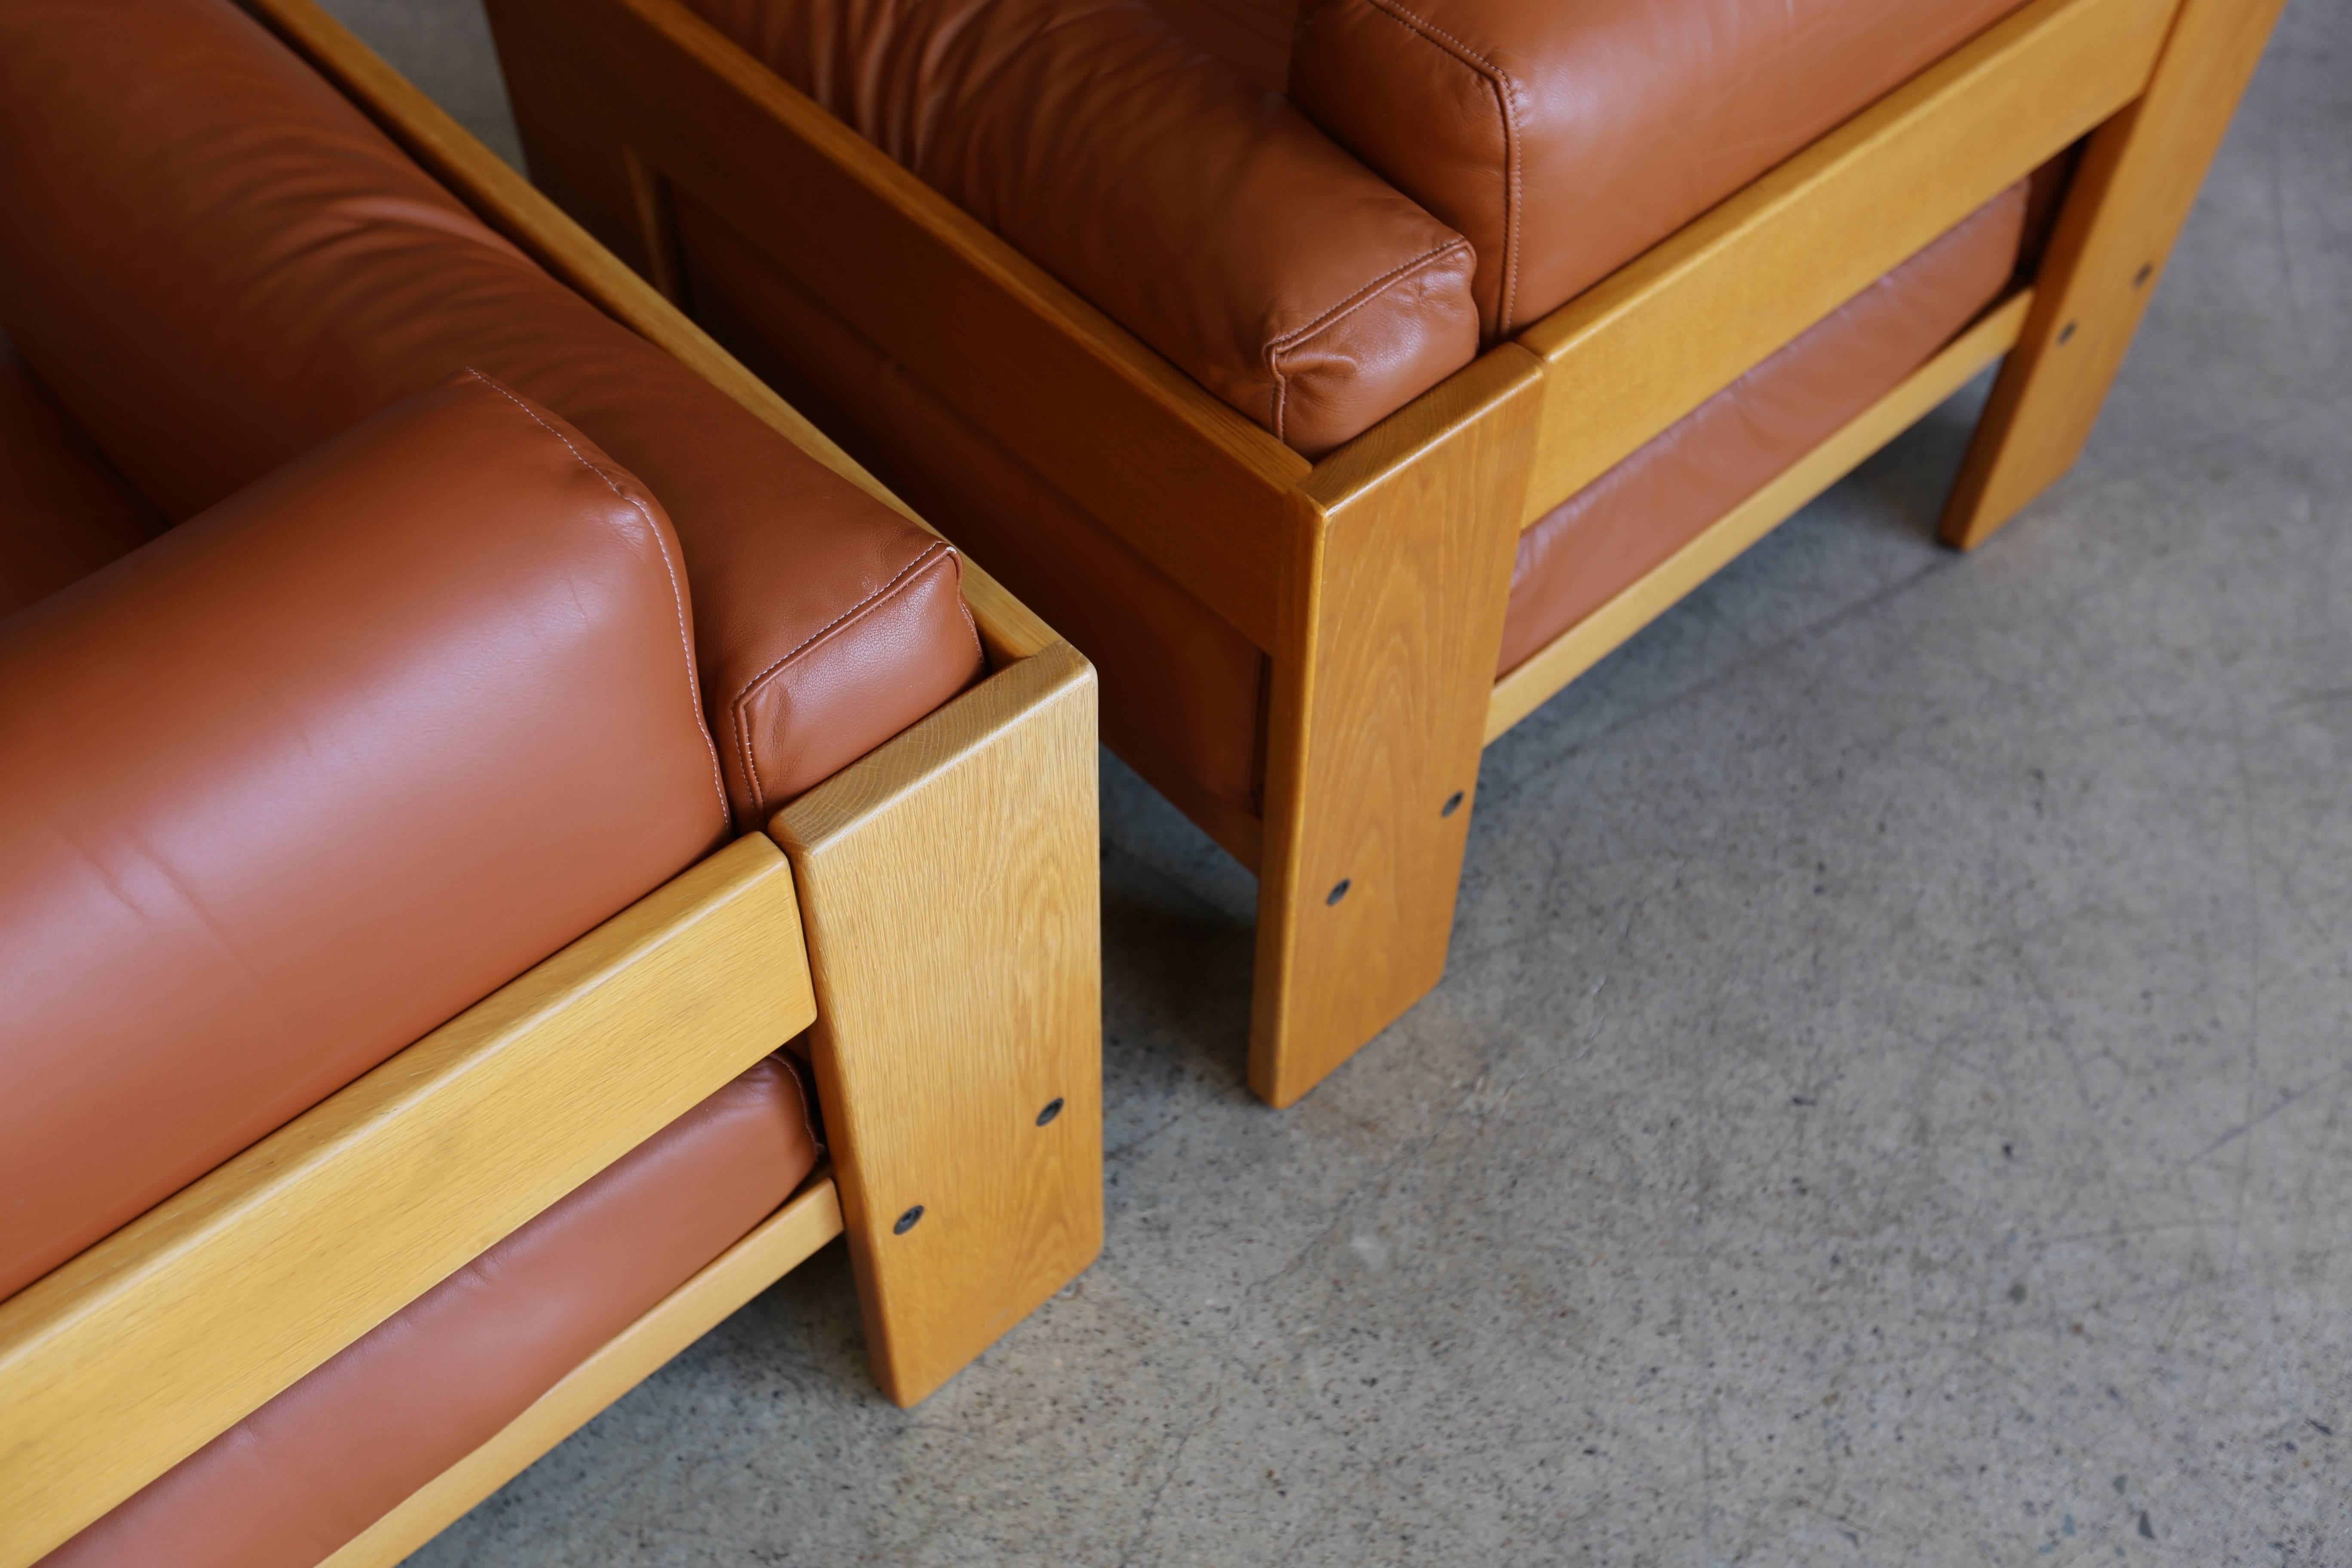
(64, 511)
(313, 773)
(215, 262)
(1205, 215)
(1630, 519)
(323, 1461)
(1179, 685)
(1564, 139)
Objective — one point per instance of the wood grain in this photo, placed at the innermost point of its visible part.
(1394, 596)
(2139, 179)
(1592, 639)
(950, 883)
(116, 1365)
(508, 203)
(810, 1219)
(1654, 341)
(1186, 480)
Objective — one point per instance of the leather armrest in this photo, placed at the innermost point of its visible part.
(309, 775)
(1207, 217)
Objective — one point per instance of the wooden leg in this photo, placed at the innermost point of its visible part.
(2137, 183)
(949, 886)
(1392, 619)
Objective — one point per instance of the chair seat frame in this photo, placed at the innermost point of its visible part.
(1375, 581)
(927, 919)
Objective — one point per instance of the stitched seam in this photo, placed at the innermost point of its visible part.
(677, 599)
(1340, 313)
(753, 685)
(1505, 100)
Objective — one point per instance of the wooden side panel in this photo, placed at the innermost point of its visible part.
(2137, 183)
(1654, 341)
(1185, 479)
(1592, 639)
(949, 882)
(624, 205)
(1393, 597)
(118, 1364)
(807, 1222)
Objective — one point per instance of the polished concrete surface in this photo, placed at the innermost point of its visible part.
(1889, 1102)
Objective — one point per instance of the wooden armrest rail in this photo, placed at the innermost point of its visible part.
(1585, 644)
(782, 1243)
(119, 1363)
(1655, 339)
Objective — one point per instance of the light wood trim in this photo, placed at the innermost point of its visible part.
(2138, 180)
(1592, 639)
(1189, 482)
(116, 1365)
(1655, 340)
(779, 1244)
(508, 203)
(1393, 618)
(949, 882)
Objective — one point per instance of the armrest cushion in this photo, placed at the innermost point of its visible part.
(306, 776)
(215, 262)
(1565, 140)
(1206, 216)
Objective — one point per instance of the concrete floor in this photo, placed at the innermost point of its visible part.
(1889, 1102)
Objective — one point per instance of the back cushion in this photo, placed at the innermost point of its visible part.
(215, 262)
(1566, 137)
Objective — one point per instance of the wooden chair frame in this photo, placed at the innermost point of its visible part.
(1376, 579)
(930, 916)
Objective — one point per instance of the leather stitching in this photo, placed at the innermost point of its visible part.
(1339, 312)
(1506, 95)
(677, 599)
(934, 552)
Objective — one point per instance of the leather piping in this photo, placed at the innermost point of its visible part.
(907, 575)
(677, 599)
(1340, 313)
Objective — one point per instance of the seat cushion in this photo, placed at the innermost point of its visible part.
(215, 262)
(1609, 535)
(285, 789)
(1565, 137)
(63, 509)
(1203, 214)
(294, 1481)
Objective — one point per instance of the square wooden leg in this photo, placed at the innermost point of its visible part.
(1396, 584)
(2139, 179)
(949, 886)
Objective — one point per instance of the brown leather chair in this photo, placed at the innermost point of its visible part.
(1346, 376)
(468, 755)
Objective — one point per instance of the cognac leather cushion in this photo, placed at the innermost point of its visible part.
(1611, 533)
(63, 509)
(316, 1466)
(309, 775)
(1205, 215)
(1565, 137)
(215, 262)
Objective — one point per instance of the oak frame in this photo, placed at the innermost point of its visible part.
(963, 848)
(622, 101)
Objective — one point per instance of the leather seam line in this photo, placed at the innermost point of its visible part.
(1340, 313)
(677, 600)
(936, 550)
(1506, 92)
